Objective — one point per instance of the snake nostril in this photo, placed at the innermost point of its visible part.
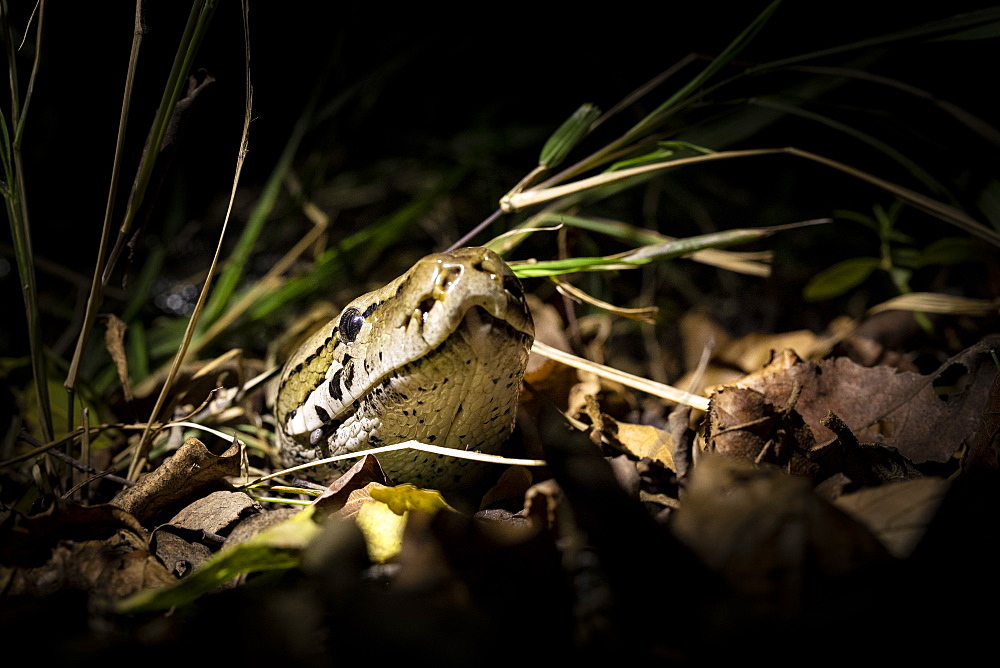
(448, 276)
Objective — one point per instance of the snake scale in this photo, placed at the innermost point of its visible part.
(437, 355)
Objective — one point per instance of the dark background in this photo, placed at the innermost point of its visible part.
(432, 91)
(442, 88)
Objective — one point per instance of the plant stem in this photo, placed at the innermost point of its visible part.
(17, 211)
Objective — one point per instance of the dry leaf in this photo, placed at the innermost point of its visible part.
(98, 549)
(512, 484)
(767, 532)
(190, 469)
(542, 502)
(380, 512)
(114, 341)
(897, 513)
(364, 471)
(549, 328)
(882, 405)
(699, 331)
(984, 448)
(753, 351)
(640, 440)
(743, 424)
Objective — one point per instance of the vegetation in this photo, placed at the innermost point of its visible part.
(683, 194)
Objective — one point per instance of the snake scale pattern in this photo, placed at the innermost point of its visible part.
(437, 355)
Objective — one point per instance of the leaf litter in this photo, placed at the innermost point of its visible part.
(805, 483)
(820, 507)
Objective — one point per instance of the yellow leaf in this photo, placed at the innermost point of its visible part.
(407, 497)
(382, 515)
(640, 440)
(383, 530)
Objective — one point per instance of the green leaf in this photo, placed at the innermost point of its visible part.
(947, 251)
(568, 135)
(906, 257)
(857, 217)
(839, 278)
(644, 254)
(663, 151)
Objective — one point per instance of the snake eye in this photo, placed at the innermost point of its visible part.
(350, 325)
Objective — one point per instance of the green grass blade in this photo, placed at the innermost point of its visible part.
(643, 255)
(17, 213)
(568, 135)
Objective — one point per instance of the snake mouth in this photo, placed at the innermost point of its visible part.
(478, 323)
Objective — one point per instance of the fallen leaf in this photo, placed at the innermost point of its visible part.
(380, 512)
(406, 497)
(364, 471)
(276, 548)
(114, 341)
(550, 329)
(383, 530)
(984, 448)
(215, 512)
(197, 531)
(882, 405)
(897, 513)
(743, 423)
(640, 440)
(699, 331)
(191, 468)
(512, 485)
(768, 533)
(98, 549)
(861, 464)
(753, 351)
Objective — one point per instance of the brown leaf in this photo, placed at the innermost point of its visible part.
(755, 350)
(179, 554)
(640, 440)
(191, 468)
(99, 549)
(881, 405)
(862, 465)
(114, 341)
(215, 512)
(366, 470)
(549, 329)
(743, 423)
(984, 449)
(258, 522)
(699, 331)
(767, 532)
(512, 485)
(542, 503)
(550, 379)
(897, 513)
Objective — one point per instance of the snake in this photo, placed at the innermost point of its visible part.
(437, 355)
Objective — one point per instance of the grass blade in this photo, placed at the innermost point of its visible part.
(17, 213)
(139, 454)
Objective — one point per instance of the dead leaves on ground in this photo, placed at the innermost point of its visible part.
(70, 547)
(807, 486)
(925, 418)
